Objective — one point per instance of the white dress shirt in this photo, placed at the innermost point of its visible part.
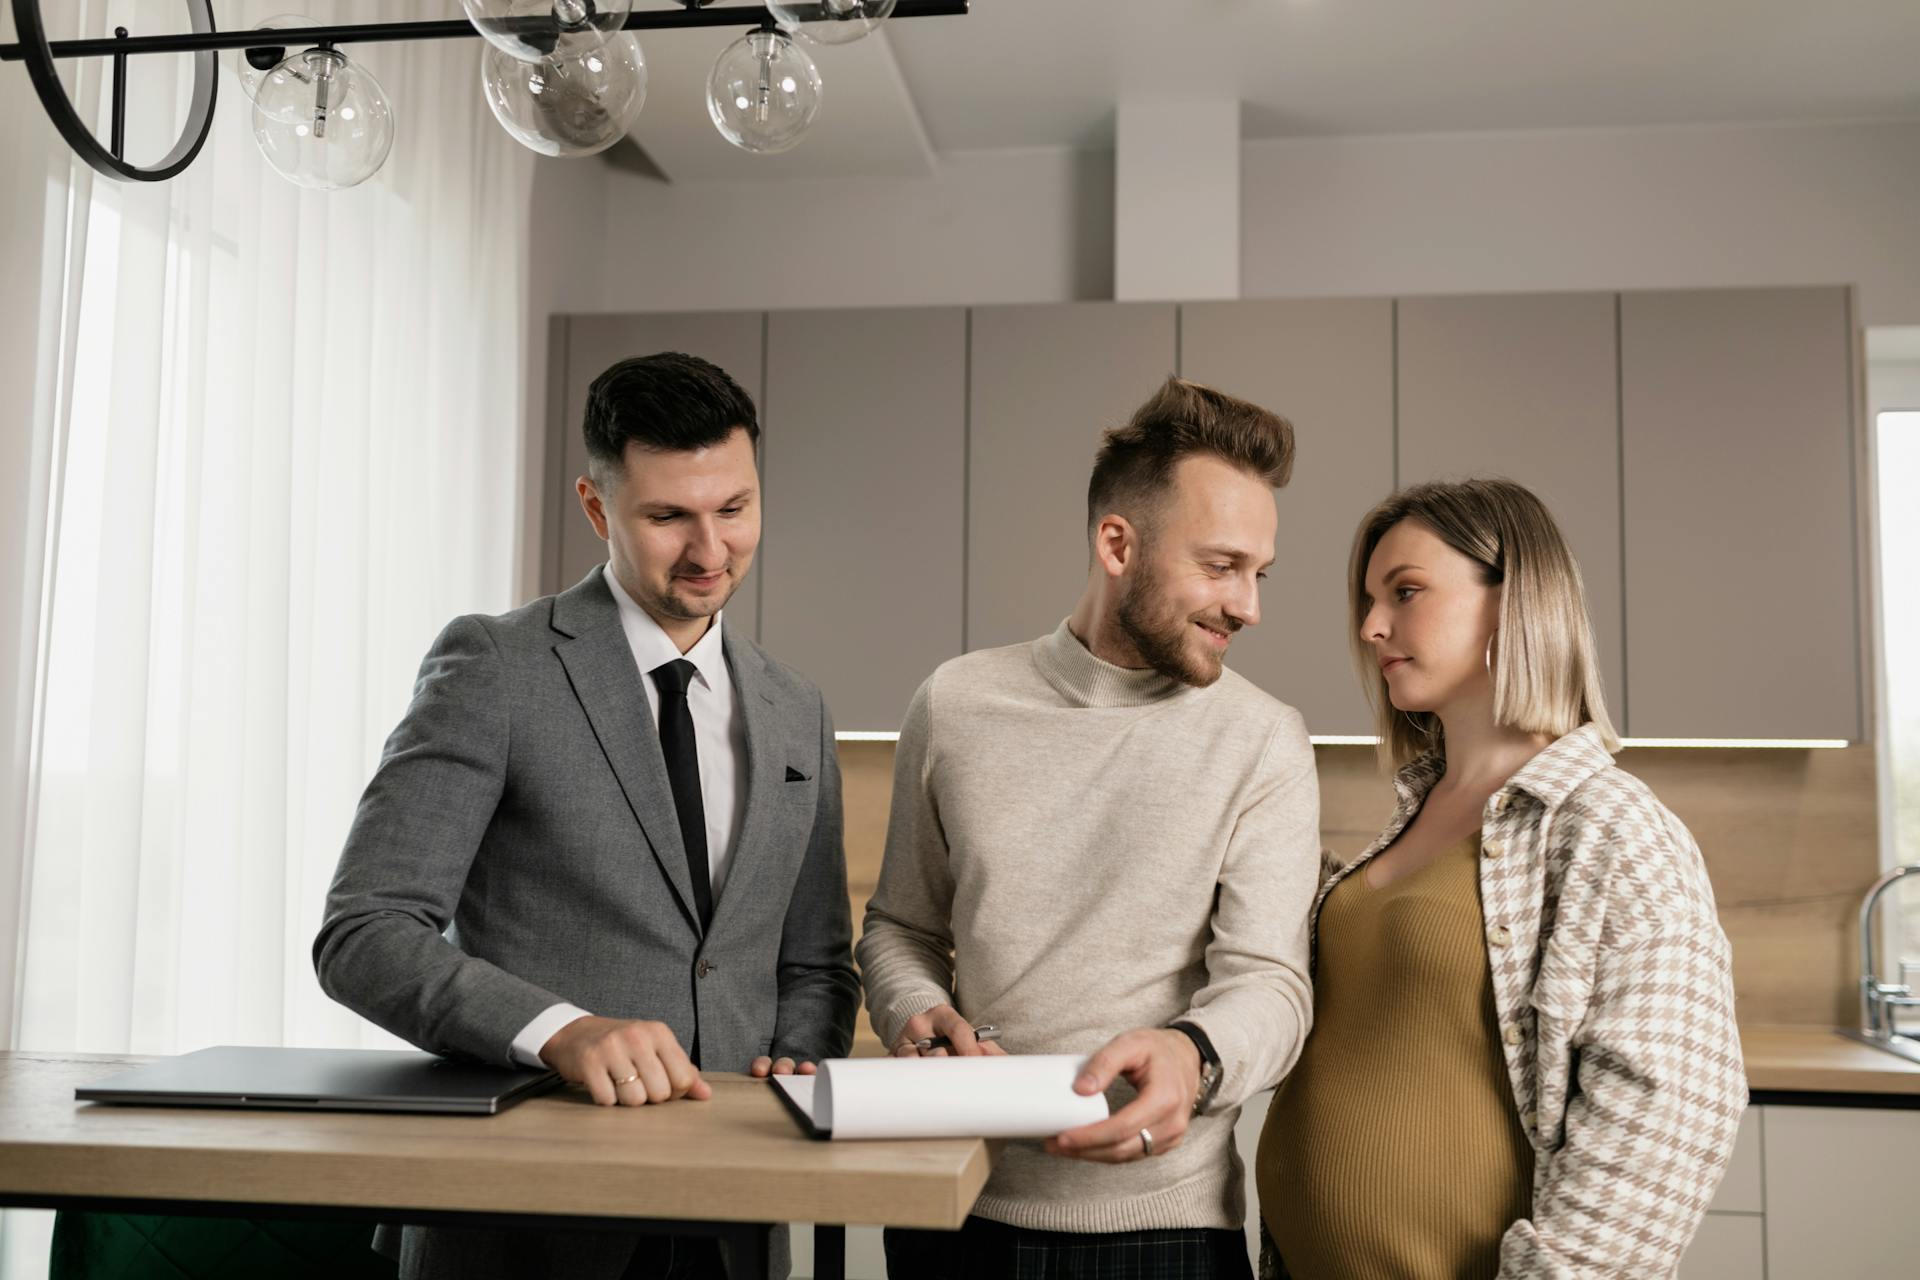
(720, 741)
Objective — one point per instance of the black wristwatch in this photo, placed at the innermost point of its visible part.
(1210, 1069)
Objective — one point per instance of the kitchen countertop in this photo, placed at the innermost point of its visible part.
(1818, 1060)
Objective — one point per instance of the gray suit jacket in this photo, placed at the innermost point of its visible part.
(518, 847)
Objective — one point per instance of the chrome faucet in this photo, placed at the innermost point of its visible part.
(1880, 1001)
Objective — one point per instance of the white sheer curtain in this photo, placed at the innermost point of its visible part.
(268, 442)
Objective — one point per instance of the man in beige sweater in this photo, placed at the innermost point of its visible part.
(1105, 842)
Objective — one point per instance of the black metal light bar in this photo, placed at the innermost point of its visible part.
(453, 29)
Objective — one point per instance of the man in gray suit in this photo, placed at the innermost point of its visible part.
(606, 837)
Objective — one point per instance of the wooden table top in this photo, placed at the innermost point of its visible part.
(736, 1158)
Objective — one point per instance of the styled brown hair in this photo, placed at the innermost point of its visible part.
(1134, 469)
(1546, 677)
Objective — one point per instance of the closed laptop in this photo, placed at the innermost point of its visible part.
(321, 1080)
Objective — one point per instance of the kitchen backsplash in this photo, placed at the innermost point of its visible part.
(1789, 838)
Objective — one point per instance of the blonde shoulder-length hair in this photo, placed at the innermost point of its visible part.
(1546, 678)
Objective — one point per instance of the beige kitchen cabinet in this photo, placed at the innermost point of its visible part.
(1524, 387)
(1045, 381)
(926, 471)
(1731, 1242)
(1728, 1246)
(1327, 366)
(1743, 1188)
(1742, 602)
(865, 466)
(584, 347)
(1842, 1185)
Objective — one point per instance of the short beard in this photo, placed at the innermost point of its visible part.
(674, 605)
(1160, 635)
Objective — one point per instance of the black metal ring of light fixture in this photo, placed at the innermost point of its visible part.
(38, 56)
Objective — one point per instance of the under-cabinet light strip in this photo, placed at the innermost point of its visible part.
(1368, 740)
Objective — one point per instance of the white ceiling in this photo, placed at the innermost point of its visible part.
(1048, 72)
(1035, 73)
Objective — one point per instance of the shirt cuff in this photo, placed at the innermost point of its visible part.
(534, 1036)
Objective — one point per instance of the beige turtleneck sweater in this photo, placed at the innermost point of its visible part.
(1078, 849)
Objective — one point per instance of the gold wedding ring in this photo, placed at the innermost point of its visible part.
(626, 1079)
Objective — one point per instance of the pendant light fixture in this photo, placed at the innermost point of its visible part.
(763, 92)
(534, 29)
(563, 77)
(250, 66)
(567, 104)
(830, 21)
(322, 121)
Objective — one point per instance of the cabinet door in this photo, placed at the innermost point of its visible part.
(1524, 387)
(1840, 1191)
(592, 344)
(1327, 367)
(1742, 1187)
(1246, 1141)
(865, 465)
(1046, 380)
(1728, 1246)
(1740, 531)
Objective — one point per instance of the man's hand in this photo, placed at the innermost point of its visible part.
(943, 1020)
(1164, 1067)
(624, 1063)
(763, 1066)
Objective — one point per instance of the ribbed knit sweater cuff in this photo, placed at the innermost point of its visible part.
(1087, 681)
(889, 1026)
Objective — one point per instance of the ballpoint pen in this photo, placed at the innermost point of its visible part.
(985, 1033)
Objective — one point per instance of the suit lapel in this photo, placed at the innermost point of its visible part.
(766, 774)
(599, 665)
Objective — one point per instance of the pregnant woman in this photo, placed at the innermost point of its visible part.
(1524, 1061)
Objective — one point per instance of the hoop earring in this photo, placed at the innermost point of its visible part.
(1489, 657)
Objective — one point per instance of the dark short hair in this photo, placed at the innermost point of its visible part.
(1133, 471)
(667, 401)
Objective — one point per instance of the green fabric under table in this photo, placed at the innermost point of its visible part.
(116, 1246)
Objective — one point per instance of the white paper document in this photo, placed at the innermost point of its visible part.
(1011, 1097)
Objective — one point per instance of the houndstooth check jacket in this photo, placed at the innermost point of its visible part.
(1614, 993)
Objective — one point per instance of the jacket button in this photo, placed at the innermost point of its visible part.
(1515, 1035)
(1500, 935)
(703, 968)
(1529, 1119)
(1492, 848)
(1500, 802)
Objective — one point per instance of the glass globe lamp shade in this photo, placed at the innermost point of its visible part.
(251, 77)
(830, 21)
(322, 121)
(568, 104)
(532, 29)
(763, 92)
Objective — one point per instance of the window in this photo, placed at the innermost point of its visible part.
(1896, 447)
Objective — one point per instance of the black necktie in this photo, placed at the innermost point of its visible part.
(683, 775)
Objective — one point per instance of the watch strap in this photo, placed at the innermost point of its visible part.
(1210, 1066)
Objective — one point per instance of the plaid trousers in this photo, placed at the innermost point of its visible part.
(985, 1250)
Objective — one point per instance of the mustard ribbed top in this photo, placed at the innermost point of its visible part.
(1393, 1150)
